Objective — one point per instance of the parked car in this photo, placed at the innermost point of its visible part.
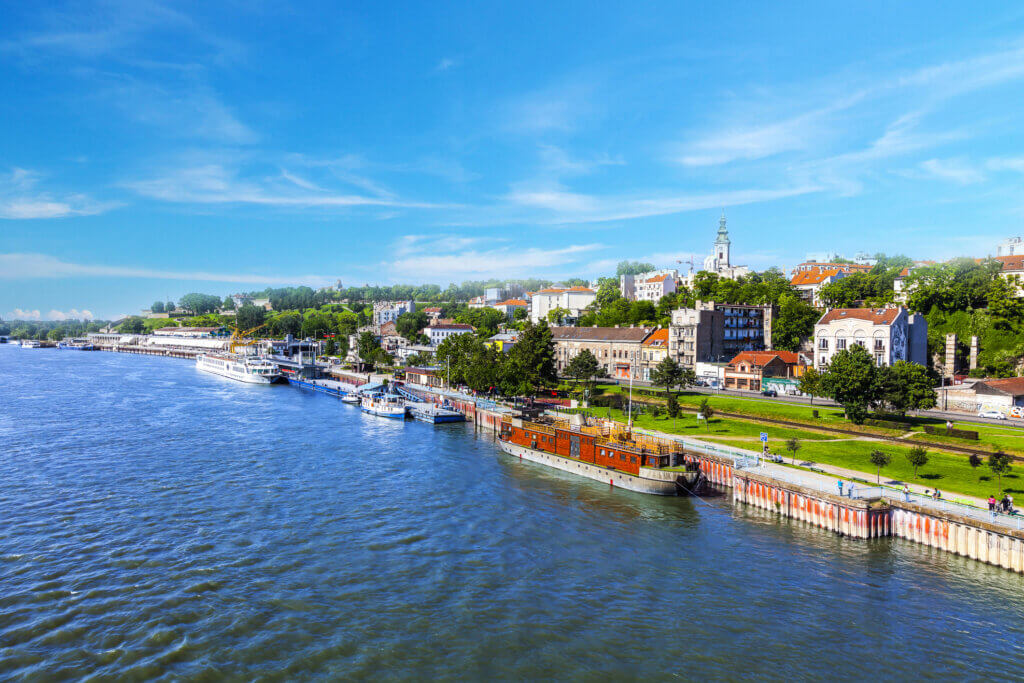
(770, 392)
(992, 415)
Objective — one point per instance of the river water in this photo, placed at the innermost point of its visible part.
(158, 521)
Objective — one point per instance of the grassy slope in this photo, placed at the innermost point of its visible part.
(688, 425)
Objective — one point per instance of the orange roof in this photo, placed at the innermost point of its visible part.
(840, 266)
(657, 338)
(579, 288)
(432, 309)
(813, 277)
(762, 358)
(877, 316)
(659, 278)
(1011, 262)
(512, 302)
(550, 290)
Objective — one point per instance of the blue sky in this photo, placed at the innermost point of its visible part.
(150, 149)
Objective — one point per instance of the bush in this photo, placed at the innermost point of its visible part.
(955, 433)
(608, 401)
(886, 424)
(814, 413)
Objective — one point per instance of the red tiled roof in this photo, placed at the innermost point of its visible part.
(1011, 262)
(580, 289)
(432, 309)
(877, 316)
(450, 326)
(657, 338)
(512, 302)
(659, 278)
(762, 358)
(812, 277)
(1010, 385)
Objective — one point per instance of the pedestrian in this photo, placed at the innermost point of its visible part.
(992, 503)
(906, 493)
(1009, 504)
(839, 485)
(936, 495)
(851, 489)
(949, 425)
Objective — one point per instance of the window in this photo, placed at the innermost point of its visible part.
(879, 345)
(879, 360)
(840, 344)
(824, 360)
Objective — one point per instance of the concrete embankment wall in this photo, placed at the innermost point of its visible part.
(978, 540)
(873, 518)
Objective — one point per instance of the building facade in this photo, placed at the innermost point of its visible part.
(809, 282)
(388, 311)
(510, 306)
(719, 261)
(763, 370)
(650, 286)
(889, 335)
(438, 332)
(653, 350)
(617, 349)
(571, 299)
(712, 332)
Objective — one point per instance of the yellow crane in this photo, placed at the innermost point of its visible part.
(240, 339)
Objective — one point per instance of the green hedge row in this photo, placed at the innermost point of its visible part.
(955, 433)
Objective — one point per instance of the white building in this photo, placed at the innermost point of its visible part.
(388, 311)
(720, 260)
(810, 282)
(889, 335)
(439, 332)
(510, 306)
(1011, 247)
(649, 286)
(572, 299)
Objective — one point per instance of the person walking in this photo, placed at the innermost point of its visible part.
(839, 485)
(906, 493)
(991, 503)
(851, 489)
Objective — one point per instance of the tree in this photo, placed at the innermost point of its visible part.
(707, 412)
(793, 323)
(157, 307)
(904, 386)
(793, 445)
(249, 317)
(169, 307)
(228, 304)
(198, 304)
(133, 325)
(56, 334)
(974, 460)
(667, 374)
(672, 405)
(519, 314)
(999, 464)
(850, 381)
(607, 292)
(879, 460)
(810, 383)
(367, 346)
(531, 362)
(633, 268)
(583, 366)
(409, 324)
(918, 457)
(557, 315)
(331, 348)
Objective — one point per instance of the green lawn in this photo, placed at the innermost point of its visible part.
(950, 473)
(687, 424)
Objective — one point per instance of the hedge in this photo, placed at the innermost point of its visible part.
(955, 433)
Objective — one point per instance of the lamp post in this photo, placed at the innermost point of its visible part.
(631, 397)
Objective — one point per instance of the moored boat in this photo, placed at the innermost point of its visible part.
(31, 344)
(239, 367)
(384, 405)
(603, 451)
(75, 345)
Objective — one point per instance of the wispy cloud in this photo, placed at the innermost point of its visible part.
(453, 258)
(37, 266)
(21, 199)
(71, 314)
(447, 63)
(954, 170)
(219, 183)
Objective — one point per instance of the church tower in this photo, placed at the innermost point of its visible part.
(722, 244)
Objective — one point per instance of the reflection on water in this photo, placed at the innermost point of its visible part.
(158, 520)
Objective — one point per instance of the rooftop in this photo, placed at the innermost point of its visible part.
(657, 338)
(762, 358)
(813, 277)
(877, 316)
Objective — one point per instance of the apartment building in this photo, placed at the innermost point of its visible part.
(388, 311)
(889, 334)
(438, 332)
(617, 349)
(649, 286)
(572, 299)
(712, 332)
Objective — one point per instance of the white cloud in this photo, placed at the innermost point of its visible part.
(447, 63)
(35, 266)
(19, 314)
(953, 170)
(20, 199)
(453, 258)
(216, 183)
(71, 314)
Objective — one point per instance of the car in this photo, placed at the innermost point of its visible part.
(992, 415)
(770, 392)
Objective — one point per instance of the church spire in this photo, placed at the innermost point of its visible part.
(723, 232)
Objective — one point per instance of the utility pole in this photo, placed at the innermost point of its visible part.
(631, 397)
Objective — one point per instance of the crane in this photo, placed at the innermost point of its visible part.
(239, 338)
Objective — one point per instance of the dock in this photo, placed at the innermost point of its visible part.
(433, 414)
(324, 386)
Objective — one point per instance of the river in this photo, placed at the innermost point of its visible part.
(159, 521)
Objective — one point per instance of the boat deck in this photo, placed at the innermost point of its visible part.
(428, 412)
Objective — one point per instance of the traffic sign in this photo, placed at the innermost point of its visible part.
(764, 436)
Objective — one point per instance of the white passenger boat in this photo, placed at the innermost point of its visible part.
(384, 405)
(350, 398)
(75, 345)
(31, 344)
(249, 369)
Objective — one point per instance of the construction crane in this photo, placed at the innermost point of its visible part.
(239, 339)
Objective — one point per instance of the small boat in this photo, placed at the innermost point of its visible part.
(351, 398)
(75, 345)
(31, 344)
(384, 405)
